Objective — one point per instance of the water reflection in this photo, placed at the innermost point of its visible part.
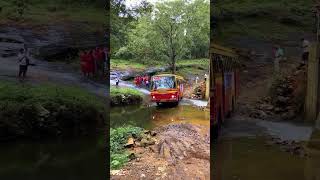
(252, 158)
(81, 158)
(151, 117)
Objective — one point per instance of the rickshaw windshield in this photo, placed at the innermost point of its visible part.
(163, 82)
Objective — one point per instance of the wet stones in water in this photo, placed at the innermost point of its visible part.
(292, 147)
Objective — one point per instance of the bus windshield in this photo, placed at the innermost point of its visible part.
(163, 82)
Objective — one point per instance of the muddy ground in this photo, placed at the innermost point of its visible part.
(181, 151)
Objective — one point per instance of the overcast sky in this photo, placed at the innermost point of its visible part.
(135, 2)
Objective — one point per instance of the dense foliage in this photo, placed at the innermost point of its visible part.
(166, 31)
(118, 138)
(47, 110)
(125, 96)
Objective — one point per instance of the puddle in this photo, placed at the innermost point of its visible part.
(151, 117)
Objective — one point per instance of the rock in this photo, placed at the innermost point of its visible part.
(267, 107)
(282, 99)
(146, 142)
(260, 114)
(130, 143)
(288, 115)
(132, 156)
(114, 172)
(153, 133)
(142, 176)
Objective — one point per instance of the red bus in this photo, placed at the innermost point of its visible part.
(224, 85)
(166, 88)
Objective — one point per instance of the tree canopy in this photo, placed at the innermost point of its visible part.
(166, 31)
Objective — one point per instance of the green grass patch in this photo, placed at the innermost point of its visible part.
(47, 110)
(125, 96)
(263, 19)
(44, 12)
(118, 138)
(115, 91)
(123, 64)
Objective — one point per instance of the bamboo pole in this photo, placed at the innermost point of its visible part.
(311, 109)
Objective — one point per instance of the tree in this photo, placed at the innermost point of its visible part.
(170, 24)
(167, 31)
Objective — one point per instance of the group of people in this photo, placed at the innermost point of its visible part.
(205, 78)
(142, 81)
(93, 61)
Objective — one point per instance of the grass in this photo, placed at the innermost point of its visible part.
(114, 91)
(122, 64)
(121, 96)
(118, 138)
(44, 12)
(47, 110)
(263, 19)
(45, 93)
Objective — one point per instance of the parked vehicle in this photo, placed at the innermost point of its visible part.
(224, 85)
(167, 88)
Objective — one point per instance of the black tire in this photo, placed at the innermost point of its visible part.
(158, 104)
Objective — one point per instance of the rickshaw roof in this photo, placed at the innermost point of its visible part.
(176, 76)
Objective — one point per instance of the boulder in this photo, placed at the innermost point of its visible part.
(130, 143)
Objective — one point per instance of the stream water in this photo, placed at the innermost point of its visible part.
(78, 158)
(252, 159)
(244, 153)
(151, 117)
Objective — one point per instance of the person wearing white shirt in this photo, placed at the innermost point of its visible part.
(23, 63)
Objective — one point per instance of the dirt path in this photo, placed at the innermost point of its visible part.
(181, 151)
(59, 73)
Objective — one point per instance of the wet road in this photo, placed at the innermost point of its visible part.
(243, 152)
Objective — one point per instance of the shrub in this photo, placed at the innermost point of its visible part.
(118, 138)
(125, 96)
(47, 110)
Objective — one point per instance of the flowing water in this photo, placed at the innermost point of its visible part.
(244, 153)
(151, 117)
